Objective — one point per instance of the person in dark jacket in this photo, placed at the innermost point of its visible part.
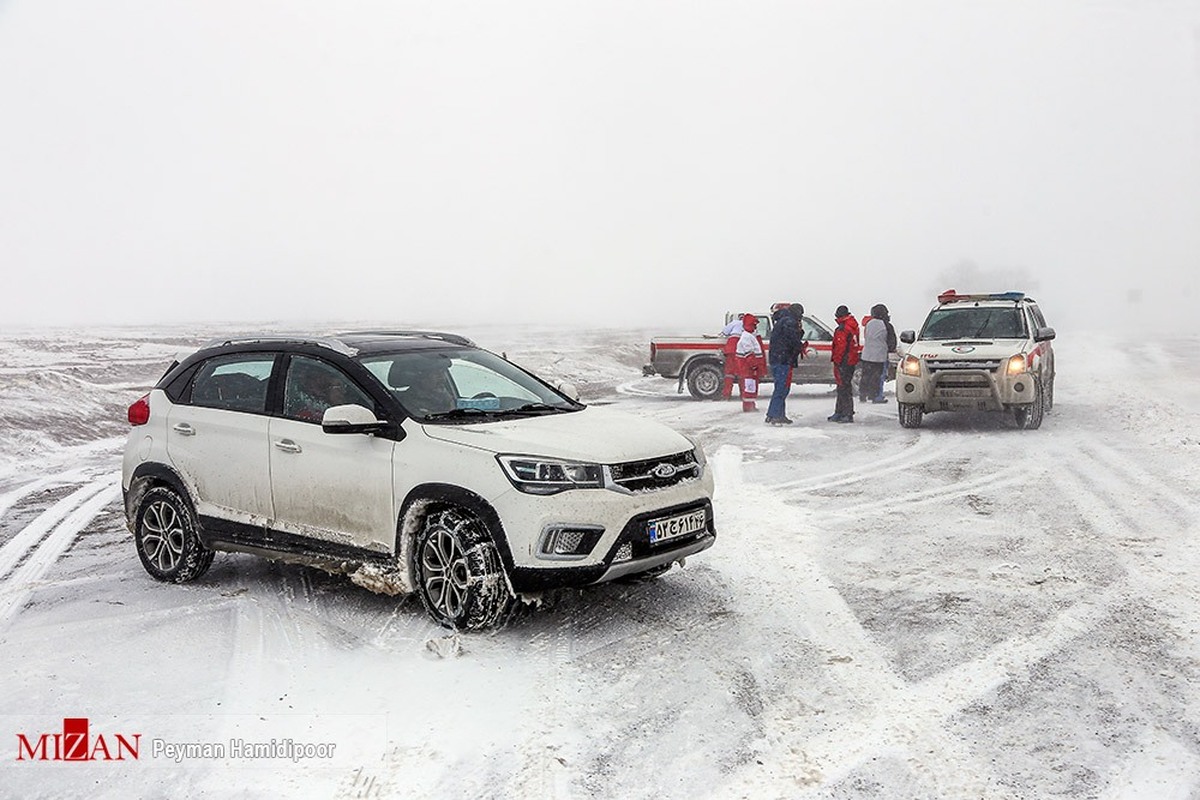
(845, 358)
(787, 345)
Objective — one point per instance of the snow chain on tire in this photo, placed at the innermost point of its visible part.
(458, 571)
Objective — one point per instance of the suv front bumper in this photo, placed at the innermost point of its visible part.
(629, 553)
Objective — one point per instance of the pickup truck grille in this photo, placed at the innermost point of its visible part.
(946, 364)
(655, 473)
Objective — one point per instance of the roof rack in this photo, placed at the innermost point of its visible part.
(452, 338)
(322, 341)
(950, 296)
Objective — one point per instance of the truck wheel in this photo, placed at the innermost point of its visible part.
(705, 380)
(1029, 417)
(458, 571)
(911, 415)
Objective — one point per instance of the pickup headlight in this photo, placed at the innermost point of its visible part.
(1016, 365)
(549, 475)
(911, 365)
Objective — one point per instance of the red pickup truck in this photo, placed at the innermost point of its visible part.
(700, 363)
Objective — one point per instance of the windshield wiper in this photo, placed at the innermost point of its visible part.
(531, 408)
(461, 413)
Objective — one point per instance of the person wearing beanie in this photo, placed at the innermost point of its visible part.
(874, 355)
(845, 360)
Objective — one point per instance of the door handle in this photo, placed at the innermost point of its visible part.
(184, 429)
(288, 446)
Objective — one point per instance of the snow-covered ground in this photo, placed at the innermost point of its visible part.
(964, 610)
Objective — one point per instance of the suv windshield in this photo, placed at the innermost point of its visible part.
(463, 385)
(974, 323)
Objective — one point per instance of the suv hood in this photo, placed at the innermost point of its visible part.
(598, 435)
(967, 349)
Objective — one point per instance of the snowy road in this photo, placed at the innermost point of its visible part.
(964, 610)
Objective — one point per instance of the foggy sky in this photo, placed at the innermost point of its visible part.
(598, 163)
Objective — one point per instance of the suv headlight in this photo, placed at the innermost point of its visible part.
(1016, 365)
(550, 475)
(911, 365)
(698, 454)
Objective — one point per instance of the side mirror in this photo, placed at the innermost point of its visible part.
(908, 337)
(351, 419)
(1043, 334)
(568, 388)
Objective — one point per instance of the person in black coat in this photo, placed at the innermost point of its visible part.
(786, 346)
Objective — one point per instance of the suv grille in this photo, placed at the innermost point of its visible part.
(655, 473)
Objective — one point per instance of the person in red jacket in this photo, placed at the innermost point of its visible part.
(845, 358)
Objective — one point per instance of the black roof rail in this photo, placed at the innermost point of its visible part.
(322, 341)
(452, 338)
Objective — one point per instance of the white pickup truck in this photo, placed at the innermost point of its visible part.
(699, 361)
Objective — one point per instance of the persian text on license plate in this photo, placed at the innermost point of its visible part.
(678, 525)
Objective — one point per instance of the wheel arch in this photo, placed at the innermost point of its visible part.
(699, 359)
(147, 476)
(424, 499)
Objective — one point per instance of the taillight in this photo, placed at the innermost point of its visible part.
(139, 412)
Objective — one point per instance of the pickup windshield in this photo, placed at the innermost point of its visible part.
(455, 386)
(974, 323)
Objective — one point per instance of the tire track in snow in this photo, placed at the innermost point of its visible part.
(922, 451)
(1161, 561)
(1136, 475)
(897, 718)
(1009, 476)
(20, 545)
(18, 586)
(862, 671)
(11, 498)
(632, 389)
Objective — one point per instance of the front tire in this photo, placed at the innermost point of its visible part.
(167, 542)
(910, 415)
(458, 571)
(1029, 417)
(705, 380)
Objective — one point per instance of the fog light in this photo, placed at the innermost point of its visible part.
(908, 387)
(575, 541)
(1020, 387)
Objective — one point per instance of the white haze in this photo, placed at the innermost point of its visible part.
(618, 163)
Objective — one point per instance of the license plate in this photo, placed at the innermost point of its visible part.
(678, 525)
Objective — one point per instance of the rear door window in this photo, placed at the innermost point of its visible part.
(233, 383)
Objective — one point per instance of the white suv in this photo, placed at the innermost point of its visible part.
(412, 461)
(978, 352)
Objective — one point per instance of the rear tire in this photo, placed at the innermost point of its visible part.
(911, 415)
(167, 542)
(704, 381)
(458, 571)
(1029, 417)
(1050, 394)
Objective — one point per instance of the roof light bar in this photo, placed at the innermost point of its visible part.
(950, 296)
